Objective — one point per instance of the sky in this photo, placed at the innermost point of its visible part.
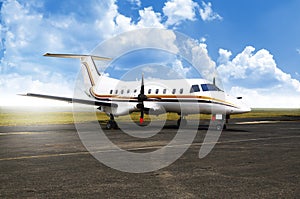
(254, 45)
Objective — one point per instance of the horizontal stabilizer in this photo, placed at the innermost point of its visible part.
(76, 56)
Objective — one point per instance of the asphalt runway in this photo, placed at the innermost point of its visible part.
(253, 158)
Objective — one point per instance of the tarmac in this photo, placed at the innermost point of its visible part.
(253, 158)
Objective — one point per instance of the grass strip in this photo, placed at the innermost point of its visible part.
(20, 118)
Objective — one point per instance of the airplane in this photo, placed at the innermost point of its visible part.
(117, 97)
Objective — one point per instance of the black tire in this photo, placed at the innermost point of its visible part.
(219, 127)
(109, 125)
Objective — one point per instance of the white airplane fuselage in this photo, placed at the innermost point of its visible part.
(167, 96)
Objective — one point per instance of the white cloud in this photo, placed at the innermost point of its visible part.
(207, 14)
(138, 39)
(178, 70)
(202, 39)
(202, 61)
(111, 22)
(27, 35)
(17, 19)
(224, 56)
(179, 10)
(149, 18)
(253, 67)
(258, 78)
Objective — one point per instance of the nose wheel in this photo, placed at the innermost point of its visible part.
(220, 121)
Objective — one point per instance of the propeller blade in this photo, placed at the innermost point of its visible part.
(141, 98)
(142, 91)
(142, 116)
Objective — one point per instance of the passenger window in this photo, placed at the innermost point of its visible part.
(122, 91)
(128, 91)
(149, 91)
(174, 91)
(111, 92)
(156, 91)
(164, 91)
(116, 91)
(195, 88)
(134, 90)
(181, 91)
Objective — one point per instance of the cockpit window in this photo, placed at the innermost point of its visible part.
(195, 88)
(210, 87)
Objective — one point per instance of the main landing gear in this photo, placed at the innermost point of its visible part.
(111, 124)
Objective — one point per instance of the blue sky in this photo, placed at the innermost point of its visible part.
(254, 45)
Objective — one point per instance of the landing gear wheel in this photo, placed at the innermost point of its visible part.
(111, 125)
(108, 125)
(219, 127)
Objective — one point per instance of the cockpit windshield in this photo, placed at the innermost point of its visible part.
(210, 87)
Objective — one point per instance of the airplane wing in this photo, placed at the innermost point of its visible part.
(72, 100)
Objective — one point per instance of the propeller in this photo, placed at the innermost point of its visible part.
(141, 98)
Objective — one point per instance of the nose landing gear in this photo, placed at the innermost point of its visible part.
(220, 121)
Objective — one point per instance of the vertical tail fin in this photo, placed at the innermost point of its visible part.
(89, 69)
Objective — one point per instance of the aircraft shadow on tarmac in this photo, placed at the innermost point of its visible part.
(170, 126)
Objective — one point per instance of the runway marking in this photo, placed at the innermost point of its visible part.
(24, 133)
(258, 122)
(141, 148)
(45, 155)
